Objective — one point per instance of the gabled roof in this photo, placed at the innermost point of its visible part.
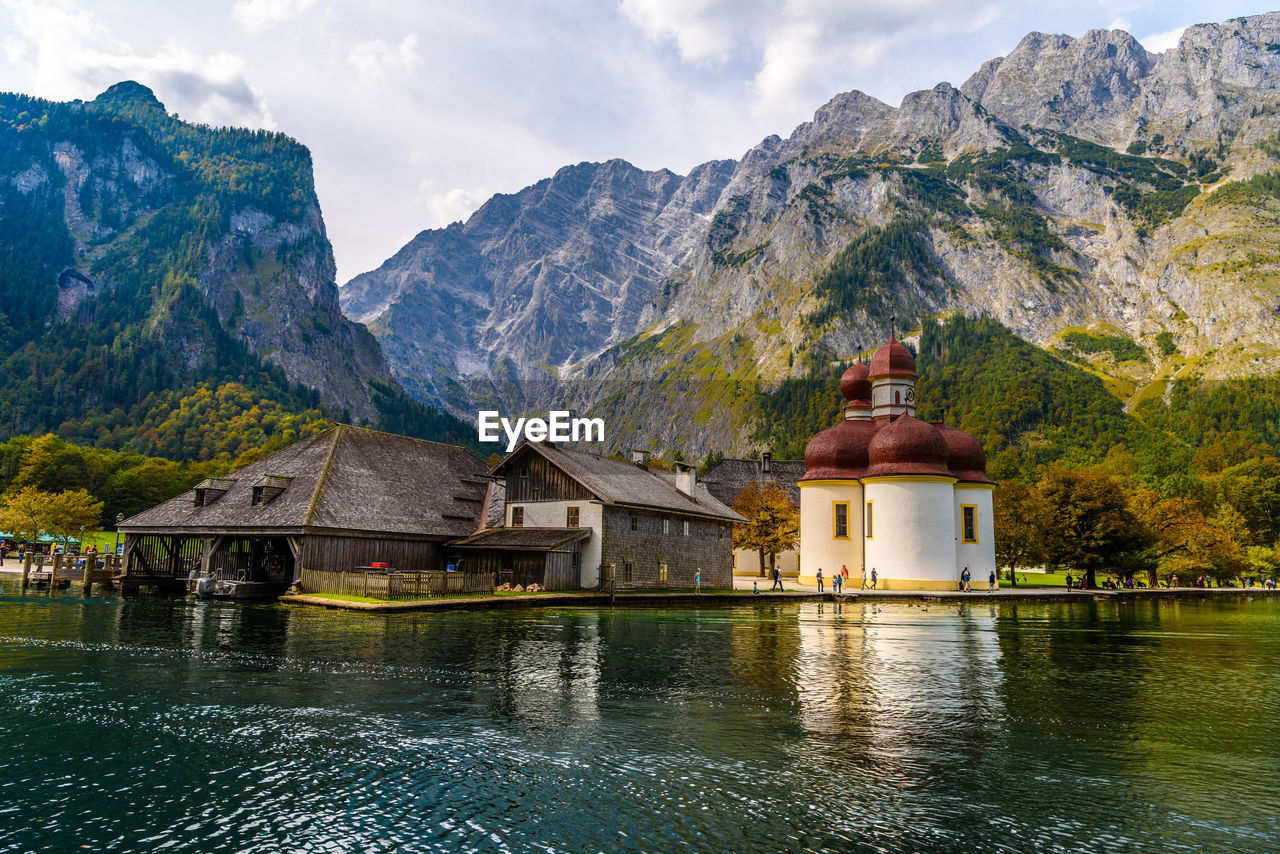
(727, 478)
(523, 539)
(344, 479)
(625, 484)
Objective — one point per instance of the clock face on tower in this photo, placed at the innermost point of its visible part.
(911, 395)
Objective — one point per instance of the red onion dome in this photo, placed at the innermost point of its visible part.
(839, 452)
(854, 385)
(967, 460)
(907, 445)
(893, 360)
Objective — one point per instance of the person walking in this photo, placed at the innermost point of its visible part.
(844, 574)
(697, 582)
(873, 578)
(864, 578)
(777, 580)
(991, 582)
(839, 583)
(755, 587)
(819, 579)
(964, 580)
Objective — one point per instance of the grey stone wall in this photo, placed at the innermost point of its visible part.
(709, 547)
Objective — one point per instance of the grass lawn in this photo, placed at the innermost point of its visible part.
(1035, 579)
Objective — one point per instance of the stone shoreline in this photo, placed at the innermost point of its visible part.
(739, 597)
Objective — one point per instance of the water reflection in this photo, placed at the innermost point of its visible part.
(200, 726)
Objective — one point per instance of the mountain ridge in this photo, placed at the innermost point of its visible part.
(1066, 188)
(146, 258)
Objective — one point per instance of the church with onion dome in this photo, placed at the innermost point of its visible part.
(884, 490)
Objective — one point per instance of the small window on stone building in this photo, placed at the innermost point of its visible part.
(572, 518)
(517, 517)
(635, 522)
(662, 572)
(626, 570)
(666, 526)
(686, 527)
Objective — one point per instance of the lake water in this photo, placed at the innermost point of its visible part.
(153, 724)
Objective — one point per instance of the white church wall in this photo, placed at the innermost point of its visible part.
(979, 556)
(819, 547)
(913, 531)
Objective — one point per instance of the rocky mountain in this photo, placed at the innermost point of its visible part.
(144, 259)
(1115, 205)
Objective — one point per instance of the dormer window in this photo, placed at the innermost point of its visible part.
(269, 488)
(211, 489)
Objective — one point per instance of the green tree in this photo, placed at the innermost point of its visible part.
(22, 513)
(773, 522)
(1090, 524)
(68, 514)
(1021, 519)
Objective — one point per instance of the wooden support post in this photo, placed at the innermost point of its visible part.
(26, 569)
(90, 564)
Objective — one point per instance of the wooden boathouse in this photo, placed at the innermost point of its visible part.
(340, 501)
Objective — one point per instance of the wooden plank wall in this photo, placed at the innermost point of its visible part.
(344, 554)
(561, 574)
(155, 554)
(543, 482)
(397, 586)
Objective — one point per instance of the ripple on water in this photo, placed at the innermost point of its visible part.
(151, 725)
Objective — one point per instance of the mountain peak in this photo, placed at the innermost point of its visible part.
(129, 93)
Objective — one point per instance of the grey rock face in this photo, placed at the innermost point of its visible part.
(270, 280)
(661, 301)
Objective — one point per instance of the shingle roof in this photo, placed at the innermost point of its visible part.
(349, 479)
(727, 478)
(522, 539)
(618, 482)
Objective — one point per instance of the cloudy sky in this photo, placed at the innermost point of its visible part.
(416, 112)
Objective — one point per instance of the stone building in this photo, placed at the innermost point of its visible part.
(727, 478)
(885, 490)
(648, 528)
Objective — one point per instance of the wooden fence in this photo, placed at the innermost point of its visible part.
(397, 585)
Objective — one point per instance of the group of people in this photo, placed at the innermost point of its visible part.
(841, 578)
(44, 550)
(966, 581)
(838, 580)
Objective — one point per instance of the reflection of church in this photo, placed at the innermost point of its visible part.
(886, 491)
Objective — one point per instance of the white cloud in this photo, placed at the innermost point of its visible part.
(1160, 42)
(801, 49)
(702, 29)
(375, 59)
(258, 16)
(70, 54)
(454, 205)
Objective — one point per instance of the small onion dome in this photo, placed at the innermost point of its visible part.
(907, 445)
(893, 360)
(839, 452)
(854, 385)
(967, 461)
